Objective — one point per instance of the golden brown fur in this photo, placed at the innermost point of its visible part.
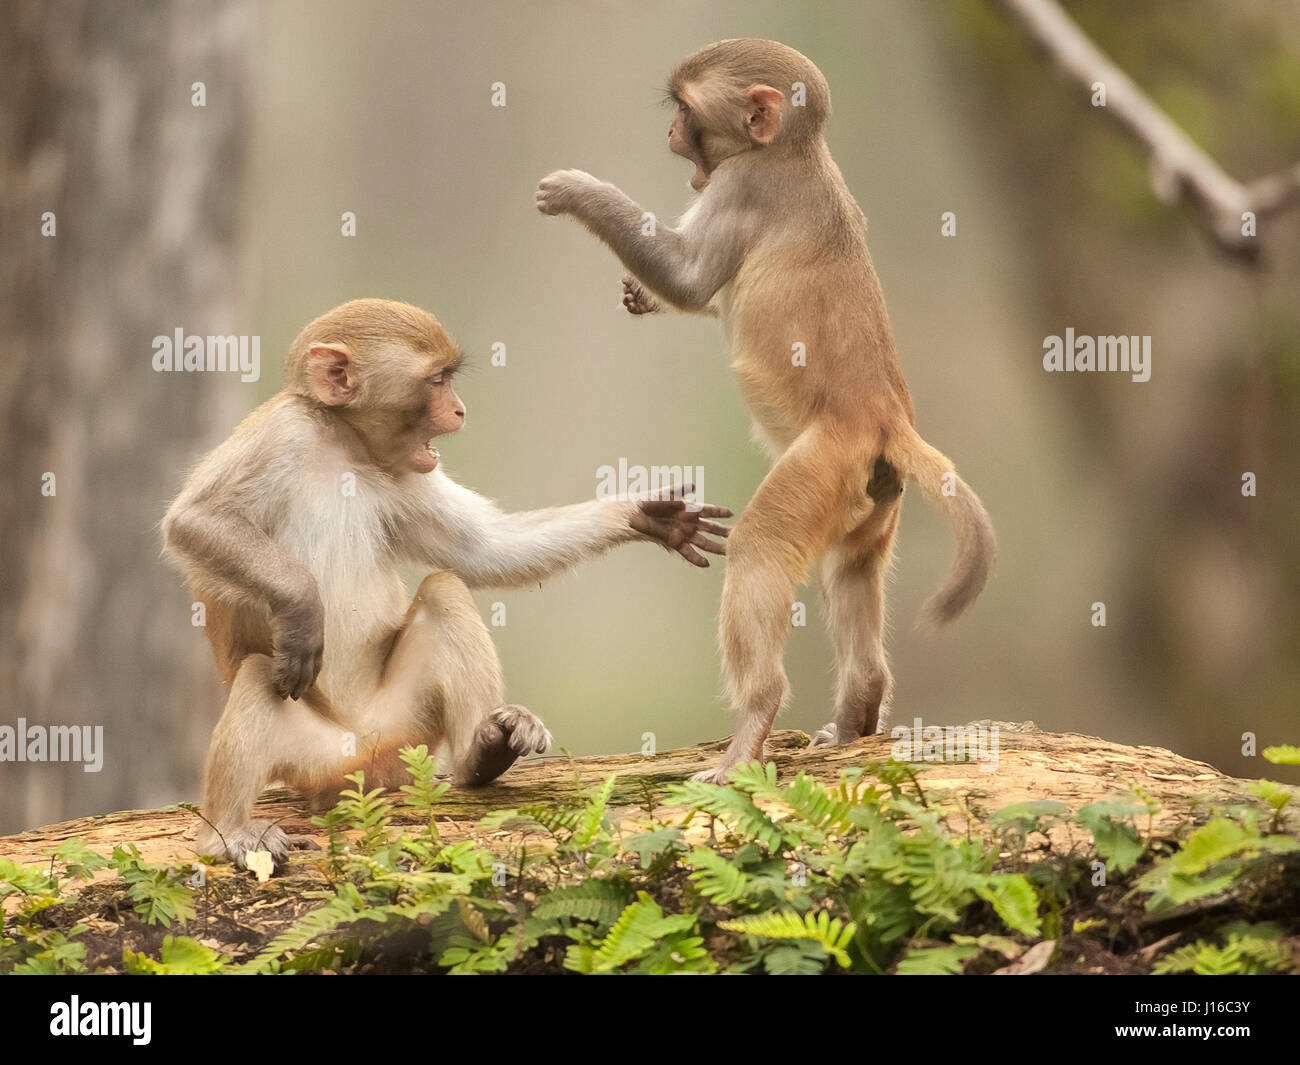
(293, 532)
(776, 246)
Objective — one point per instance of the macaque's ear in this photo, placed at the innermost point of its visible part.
(331, 374)
(763, 115)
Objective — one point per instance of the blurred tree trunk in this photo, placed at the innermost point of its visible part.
(98, 127)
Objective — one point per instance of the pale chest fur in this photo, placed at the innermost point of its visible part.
(335, 527)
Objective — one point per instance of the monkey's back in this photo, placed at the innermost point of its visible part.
(807, 324)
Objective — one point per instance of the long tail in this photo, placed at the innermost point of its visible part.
(976, 545)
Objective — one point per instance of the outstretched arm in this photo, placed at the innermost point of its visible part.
(685, 266)
(449, 526)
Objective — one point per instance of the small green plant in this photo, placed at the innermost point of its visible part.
(866, 874)
(1238, 948)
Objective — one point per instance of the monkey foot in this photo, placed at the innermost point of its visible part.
(719, 774)
(508, 733)
(833, 734)
(827, 736)
(258, 836)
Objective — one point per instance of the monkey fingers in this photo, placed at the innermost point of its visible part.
(705, 544)
(636, 299)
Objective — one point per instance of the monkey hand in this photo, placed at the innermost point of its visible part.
(298, 645)
(636, 299)
(682, 526)
(564, 190)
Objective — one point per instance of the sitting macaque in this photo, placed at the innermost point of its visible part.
(292, 531)
(775, 245)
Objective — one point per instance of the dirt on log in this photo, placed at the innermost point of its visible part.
(1067, 767)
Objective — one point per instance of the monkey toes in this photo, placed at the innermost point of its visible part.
(719, 774)
(826, 736)
(262, 836)
(508, 733)
(527, 734)
(833, 734)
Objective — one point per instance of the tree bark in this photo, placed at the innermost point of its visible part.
(1065, 767)
(99, 129)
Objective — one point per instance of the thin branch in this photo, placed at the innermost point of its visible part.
(1178, 166)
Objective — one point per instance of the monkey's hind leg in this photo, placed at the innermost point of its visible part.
(797, 512)
(444, 663)
(853, 579)
(248, 742)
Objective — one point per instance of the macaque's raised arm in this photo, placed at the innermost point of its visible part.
(454, 528)
(685, 266)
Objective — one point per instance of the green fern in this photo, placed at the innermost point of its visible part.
(717, 879)
(661, 843)
(424, 791)
(78, 860)
(592, 819)
(680, 952)
(1015, 900)
(180, 956)
(636, 932)
(1214, 859)
(1114, 834)
(937, 961)
(159, 892)
(833, 934)
(795, 958)
(600, 901)
(1285, 754)
(367, 812)
(730, 806)
(1246, 949)
(52, 953)
(345, 907)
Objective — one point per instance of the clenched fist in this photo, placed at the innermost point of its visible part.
(563, 190)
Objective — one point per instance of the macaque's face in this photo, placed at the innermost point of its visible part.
(684, 140)
(397, 399)
(432, 409)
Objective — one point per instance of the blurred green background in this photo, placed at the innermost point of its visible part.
(227, 219)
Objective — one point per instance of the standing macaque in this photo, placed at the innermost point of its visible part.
(291, 533)
(776, 246)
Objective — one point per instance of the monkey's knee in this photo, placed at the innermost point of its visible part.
(255, 676)
(441, 594)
